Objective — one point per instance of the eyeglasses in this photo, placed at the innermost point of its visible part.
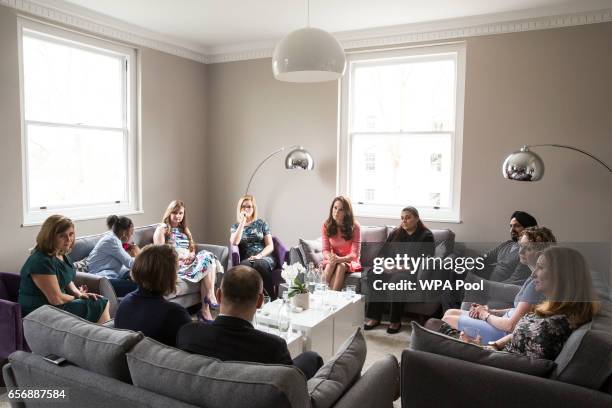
(246, 206)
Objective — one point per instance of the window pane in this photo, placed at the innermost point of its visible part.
(69, 166)
(404, 96)
(409, 169)
(65, 84)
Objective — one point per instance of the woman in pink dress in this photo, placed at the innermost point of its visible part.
(341, 237)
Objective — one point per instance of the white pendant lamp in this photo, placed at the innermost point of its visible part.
(308, 55)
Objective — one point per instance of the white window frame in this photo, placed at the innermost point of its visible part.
(133, 205)
(451, 214)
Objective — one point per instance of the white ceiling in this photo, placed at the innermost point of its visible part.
(216, 26)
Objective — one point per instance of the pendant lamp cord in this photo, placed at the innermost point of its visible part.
(308, 13)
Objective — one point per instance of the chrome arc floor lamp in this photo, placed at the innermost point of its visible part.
(297, 158)
(526, 165)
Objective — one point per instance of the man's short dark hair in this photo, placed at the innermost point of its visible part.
(241, 285)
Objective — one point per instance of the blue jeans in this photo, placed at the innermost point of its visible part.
(487, 332)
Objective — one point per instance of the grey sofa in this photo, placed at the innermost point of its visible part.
(371, 239)
(187, 294)
(123, 368)
(582, 376)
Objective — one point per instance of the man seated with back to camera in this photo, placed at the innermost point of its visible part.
(231, 336)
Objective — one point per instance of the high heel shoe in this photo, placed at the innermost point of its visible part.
(210, 304)
(202, 319)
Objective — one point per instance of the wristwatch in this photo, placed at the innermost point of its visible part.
(493, 344)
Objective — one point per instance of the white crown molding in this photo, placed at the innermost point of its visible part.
(104, 26)
(71, 15)
(435, 31)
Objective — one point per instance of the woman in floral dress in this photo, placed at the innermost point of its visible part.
(194, 267)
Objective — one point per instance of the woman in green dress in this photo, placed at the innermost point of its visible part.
(47, 277)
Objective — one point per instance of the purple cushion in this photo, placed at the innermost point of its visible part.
(3, 291)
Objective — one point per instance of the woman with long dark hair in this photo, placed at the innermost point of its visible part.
(341, 237)
(410, 238)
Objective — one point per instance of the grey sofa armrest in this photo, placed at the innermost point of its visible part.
(432, 380)
(495, 294)
(11, 383)
(378, 387)
(100, 285)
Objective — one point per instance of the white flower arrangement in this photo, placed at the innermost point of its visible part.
(290, 272)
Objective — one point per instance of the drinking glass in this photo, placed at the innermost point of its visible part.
(319, 292)
(349, 291)
(473, 334)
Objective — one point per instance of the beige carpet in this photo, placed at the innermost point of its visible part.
(380, 343)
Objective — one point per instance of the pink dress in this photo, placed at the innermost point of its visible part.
(341, 247)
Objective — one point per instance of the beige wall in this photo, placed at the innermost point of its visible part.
(551, 86)
(204, 128)
(173, 105)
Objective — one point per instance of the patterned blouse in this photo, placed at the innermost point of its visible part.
(252, 241)
(179, 240)
(540, 337)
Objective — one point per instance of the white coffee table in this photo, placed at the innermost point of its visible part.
(324, 328)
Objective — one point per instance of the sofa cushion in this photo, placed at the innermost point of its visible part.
(311, 251)
(81, 266)
(212, 383)
(83, 246)
(184, 287)
(49, 330)
(372, 240)
(445, 242)
(586, 358)
(338, 374)
(144, 235)
(438, 343)
(4, 292)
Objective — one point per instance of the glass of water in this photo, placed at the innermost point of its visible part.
(319, 292)
(349, 291)
(472, 335)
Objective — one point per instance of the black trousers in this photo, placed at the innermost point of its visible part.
(309, 363)
(265, 271)
(123, 284)
(375, 309)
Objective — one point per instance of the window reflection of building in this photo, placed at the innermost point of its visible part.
(370, 161)
(436, 161)
(369, 194)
